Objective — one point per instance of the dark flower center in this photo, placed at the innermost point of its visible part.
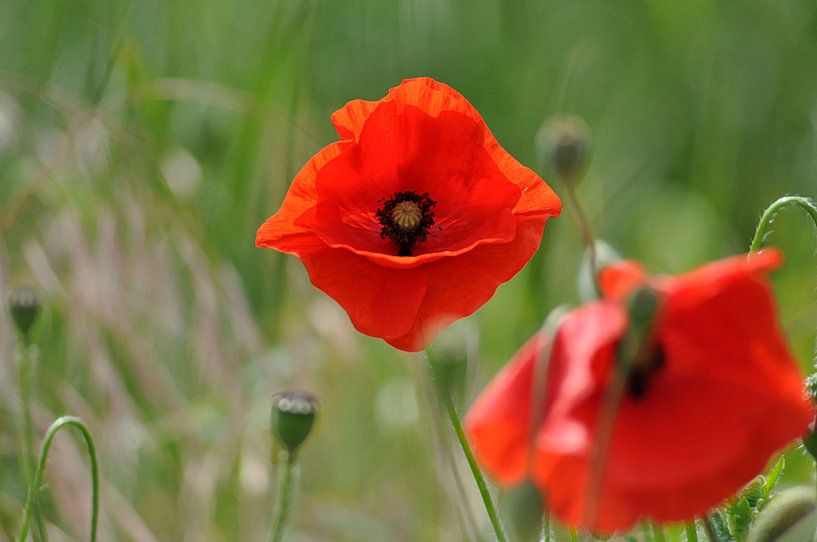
(640, 372)
(406, 218)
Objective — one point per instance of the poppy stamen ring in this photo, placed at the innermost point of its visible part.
(406, 218)
(407, 215)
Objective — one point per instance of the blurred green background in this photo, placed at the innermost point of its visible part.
(143, 142)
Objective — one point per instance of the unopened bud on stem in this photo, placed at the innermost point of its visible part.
(24, 307)
(293, 415)
(563, 143)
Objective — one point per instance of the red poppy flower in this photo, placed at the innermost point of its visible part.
(414, 218)
(700, 415)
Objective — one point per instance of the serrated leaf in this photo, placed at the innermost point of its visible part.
(721, 529)
(739, 518)
(774, 476)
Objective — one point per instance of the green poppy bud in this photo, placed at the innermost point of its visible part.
(810, 439)
(293, 415)
(25, 307)
(449, 359)
(563, 143)
(790, 516)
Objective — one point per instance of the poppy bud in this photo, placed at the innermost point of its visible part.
(525, 508)
(563, 143)
(810, 439)
(790, 516)
(24, 307)
(293, 415)
(449, 359)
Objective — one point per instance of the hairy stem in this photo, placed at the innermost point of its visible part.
(658, 533)
(710, 530)
(586, 233)
(286, 482)
(691, 531)
(771, 211)
(58, 424)
(25, 373)
(479, 479)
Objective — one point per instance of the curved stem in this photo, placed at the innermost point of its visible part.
(38, 475)
(768, 216)
(586, 233)
(286, 479)
(479, 479)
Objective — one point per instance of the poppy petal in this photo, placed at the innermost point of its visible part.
(618, 279)
(280, 231)
(701, 430)
(412, 151)
(435, 97)
(349, 119)
(380, 301)
(499, 423)
(459, 286)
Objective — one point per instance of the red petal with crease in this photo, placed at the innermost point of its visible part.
(727, 396)
(485, 223)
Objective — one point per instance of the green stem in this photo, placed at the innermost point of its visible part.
(658, 533)
(710, 529)
(38, 475)
(768, 216)
(286, 481)
(814, 538)
(691, 531)
(29, 458)
(586, 233)
(453, 416)
(545, 528)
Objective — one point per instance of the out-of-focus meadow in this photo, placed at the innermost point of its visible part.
(143, 142)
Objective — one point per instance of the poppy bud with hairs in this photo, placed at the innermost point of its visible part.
(293, 415)
(563, 143)
(25, 307)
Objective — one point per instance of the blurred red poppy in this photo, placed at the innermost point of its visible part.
(699, 416)
(414, 218)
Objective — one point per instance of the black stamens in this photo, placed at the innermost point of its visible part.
(641, 372)
(406, 218)
(637, 383)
